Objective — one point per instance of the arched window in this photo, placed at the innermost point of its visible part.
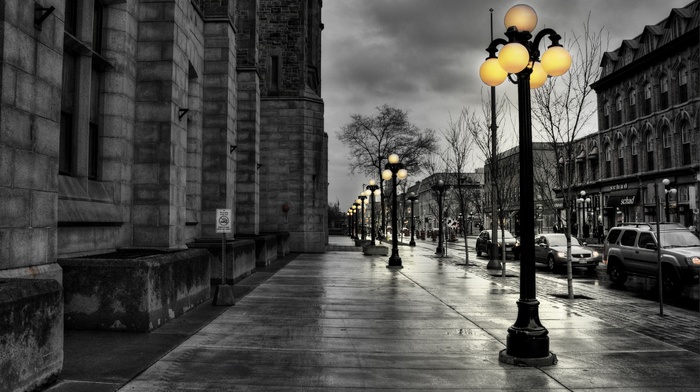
(686, 142)
(682, 84)
(618, 109)
(608, 161)
(620, 158)
(632, 112)
(664, 92)
(635, 154)
(667, 142)
(647, 98)
(650, 150)
(606, 115)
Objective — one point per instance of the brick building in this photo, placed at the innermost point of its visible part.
(124, 124)
(648, 125)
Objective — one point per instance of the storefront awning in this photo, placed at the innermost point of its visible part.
(625, 198)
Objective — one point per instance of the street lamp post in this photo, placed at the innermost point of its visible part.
(372, 188)
(394, 170)
(412, 198)
(439, 189)
(349, 214)
(356, 207)
(528, 341)
(362, 199)
(671, 191)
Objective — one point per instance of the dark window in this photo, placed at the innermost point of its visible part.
(97, 27)
(66, 144)
(582, 171)
(666, 139)
(65, 158)
(606, 115)
(274, 74)
(594, 169)
(664, 92)
(613, 235)
(628, 238)
(620, 159)
(608, 162)
(635, 155)
(685, 140)
(644, 239)
(93, 135)
(650, 151)
(632, 112)
(647, 98)
(618, 110)
(683, 85)
(71, 23)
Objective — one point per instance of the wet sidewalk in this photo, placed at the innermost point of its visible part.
(343, 321)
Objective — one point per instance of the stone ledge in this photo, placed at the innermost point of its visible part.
(133, 294)
(376, 250)
(31, 333)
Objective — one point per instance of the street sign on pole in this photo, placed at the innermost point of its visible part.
(223, 221)
(224, 292)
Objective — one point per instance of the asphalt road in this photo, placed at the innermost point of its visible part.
(634, 305)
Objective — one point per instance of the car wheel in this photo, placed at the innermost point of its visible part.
(617, 272)
(550, 263)
(671, 282)
(478, 250)
(591, 269)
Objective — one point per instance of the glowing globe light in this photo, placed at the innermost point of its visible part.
(402, 174)
(491, 72)
(556, 61)
(538, 76)
(386, 175)
(513, 57)
(522, 17)
(393, 158)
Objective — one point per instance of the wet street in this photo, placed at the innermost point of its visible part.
(596, 295)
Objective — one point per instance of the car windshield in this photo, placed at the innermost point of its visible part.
(560, 240)
(679, 239)
(506, 234)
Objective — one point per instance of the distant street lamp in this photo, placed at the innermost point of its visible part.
(471, 222)
(349, 222)
(528, 341)
(394, 170)
(373, 190)
(439, 189)
(412, 198)
(362, 198)
(671, 191)
(356, 207)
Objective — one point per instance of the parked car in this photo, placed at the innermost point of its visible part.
(631, 248)
(483, 243)
(551, 249)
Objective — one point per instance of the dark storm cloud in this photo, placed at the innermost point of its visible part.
(423, 56)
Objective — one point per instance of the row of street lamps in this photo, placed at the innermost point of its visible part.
(527, 341)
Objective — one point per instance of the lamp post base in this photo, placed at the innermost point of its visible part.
(439, 250)
(549, 360)
(394, 262)
(412, 243)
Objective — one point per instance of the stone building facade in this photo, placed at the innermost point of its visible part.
(648, 126)
(125, 124)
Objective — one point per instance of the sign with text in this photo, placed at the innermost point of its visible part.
(223, 221)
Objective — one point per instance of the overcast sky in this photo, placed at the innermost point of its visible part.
(423, 56)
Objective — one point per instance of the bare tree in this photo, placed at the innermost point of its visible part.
(563, 108)
(372, 138)
(457, 157)
(501, 177)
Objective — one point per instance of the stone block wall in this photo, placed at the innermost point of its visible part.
(31, 342)
(29, 129)
(292, 135)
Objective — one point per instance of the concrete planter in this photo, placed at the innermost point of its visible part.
(31, 333)
(265, 249)
(133, 294)
(376, 250)
(240, 259)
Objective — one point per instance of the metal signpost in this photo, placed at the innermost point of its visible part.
(224, 292)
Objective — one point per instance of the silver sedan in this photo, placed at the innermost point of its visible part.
(551, 250)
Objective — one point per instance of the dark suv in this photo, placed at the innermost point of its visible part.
(631, 248)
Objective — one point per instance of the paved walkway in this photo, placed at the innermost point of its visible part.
(342, 321)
